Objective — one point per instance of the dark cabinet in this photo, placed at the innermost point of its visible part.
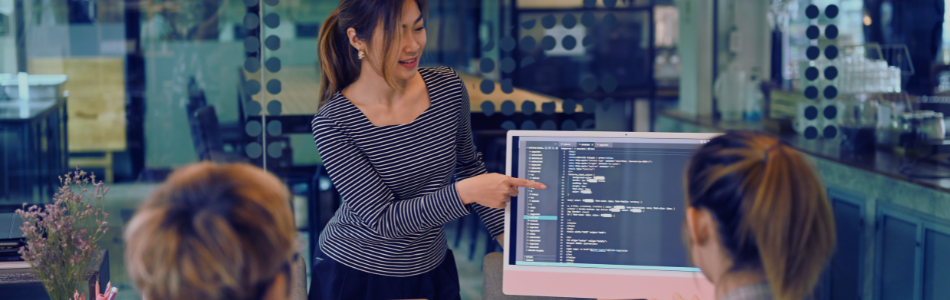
(936, 265)
(912, 261)
(845, 268)
(898, 259)
(842, 280)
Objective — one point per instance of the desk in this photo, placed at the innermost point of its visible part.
(33, 149)
(20, 283)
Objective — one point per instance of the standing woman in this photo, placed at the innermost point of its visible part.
(397, 144)
(758, 221)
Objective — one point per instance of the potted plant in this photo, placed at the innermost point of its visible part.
(61, 236)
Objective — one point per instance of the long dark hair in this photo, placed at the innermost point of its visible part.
(772, 211)
(339, 63)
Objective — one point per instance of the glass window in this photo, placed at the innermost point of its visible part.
(132, 90)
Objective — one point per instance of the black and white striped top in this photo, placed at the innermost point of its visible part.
(397, 181)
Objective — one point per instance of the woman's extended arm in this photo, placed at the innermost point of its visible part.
(469, 164)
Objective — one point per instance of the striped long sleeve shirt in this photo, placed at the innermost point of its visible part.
(398, 182)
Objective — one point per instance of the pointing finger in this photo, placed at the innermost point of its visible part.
(527, 183)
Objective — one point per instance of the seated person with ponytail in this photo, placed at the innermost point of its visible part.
(758, 221)
(215, 232)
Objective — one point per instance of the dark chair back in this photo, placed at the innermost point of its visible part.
(196, 101)
(207, 137)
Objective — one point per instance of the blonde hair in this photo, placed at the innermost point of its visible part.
(772, 210)
(211, 232)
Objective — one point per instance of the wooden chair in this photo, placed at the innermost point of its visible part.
(96, 107)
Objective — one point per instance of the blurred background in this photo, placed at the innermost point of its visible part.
(133, 89)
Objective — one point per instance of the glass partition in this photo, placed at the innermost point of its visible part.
(132, 90)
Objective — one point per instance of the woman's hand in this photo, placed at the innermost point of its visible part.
(492, 190)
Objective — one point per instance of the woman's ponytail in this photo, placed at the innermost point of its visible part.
(338, 65)
(771, 207)
(792, 223)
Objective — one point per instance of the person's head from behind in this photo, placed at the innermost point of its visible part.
(390, 33)
(213, 232)
(755, 206)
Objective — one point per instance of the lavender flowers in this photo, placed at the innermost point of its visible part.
(61, 237)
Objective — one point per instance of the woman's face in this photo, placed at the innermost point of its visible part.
(409, 49)
(703, 243)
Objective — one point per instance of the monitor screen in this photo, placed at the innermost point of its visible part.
(611, 202)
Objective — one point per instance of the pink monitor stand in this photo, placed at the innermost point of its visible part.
(606, 286)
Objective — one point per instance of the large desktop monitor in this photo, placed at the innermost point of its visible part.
(610, 223)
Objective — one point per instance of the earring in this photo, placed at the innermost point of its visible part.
(361, 54)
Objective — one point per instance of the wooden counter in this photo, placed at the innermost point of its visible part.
(300, 89)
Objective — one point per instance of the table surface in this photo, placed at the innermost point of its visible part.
(881, 162)
(25, 275)
(300, 87)
(16, 111)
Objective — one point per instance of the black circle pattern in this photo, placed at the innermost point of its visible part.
(831, 52)
(811, 132)
(528, 43)
(548, 43)
(830, 112)
(588, 19)
(831, 11)
(830, 92)
(811, 92)
(487, 65)
(272, 20)
(272, 64)
(569, 21)
(548, 21)
(251, 21)
(831, 32)
(812, 11)
(508, 108)
(831, 73)
(569, 42)
(609, 21)
(507, 43)
(811, 73)
(830, 132)
(811, 112)
(274, 107)
(812, 52)
(528, 108)
(812, 32)
(274, 87)
(272, 42)
(252, 64)
(252, 44)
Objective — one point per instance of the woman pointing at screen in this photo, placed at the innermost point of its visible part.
(397, 144)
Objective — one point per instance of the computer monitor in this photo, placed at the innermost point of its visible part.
(609, 225)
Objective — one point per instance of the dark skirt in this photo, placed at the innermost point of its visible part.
(331, 280)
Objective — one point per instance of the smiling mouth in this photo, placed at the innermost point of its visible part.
(408, 61)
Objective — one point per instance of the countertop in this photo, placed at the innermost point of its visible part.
(881, 162)
(16, 111)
